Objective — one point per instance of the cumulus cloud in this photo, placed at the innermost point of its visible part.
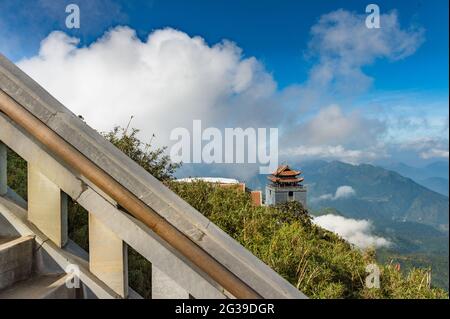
(342, 192)
(165, 82)
(357, 232)
(331, 126)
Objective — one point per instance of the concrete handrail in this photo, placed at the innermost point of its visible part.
(22, 90)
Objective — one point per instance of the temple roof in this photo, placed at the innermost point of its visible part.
(285, 171)
(285, 175)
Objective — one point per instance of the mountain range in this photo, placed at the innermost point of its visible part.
(378, 194)
(433, 176)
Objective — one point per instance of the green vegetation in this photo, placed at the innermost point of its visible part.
(316, 261)
(439, 262)
(17, 174)
(153, 161)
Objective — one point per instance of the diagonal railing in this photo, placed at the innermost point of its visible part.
(63, 153)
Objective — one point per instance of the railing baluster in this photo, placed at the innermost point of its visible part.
(108, 258)
(3, 170)
(163, 287)
(47, 206)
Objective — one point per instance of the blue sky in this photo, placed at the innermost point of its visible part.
(275, 32)
(406, 101)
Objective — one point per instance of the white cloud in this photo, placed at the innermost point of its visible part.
(165, 82)
(434, 153)
(344, 45)
(332, 126)
(342, 192)
(357, 232)
(339, 152)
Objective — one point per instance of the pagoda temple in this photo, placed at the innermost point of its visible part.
(285, 186)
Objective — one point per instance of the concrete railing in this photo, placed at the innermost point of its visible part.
(51, 179)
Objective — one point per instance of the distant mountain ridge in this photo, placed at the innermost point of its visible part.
(437, 184)
(433, 176)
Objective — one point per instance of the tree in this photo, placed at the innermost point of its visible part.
(154, 161)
